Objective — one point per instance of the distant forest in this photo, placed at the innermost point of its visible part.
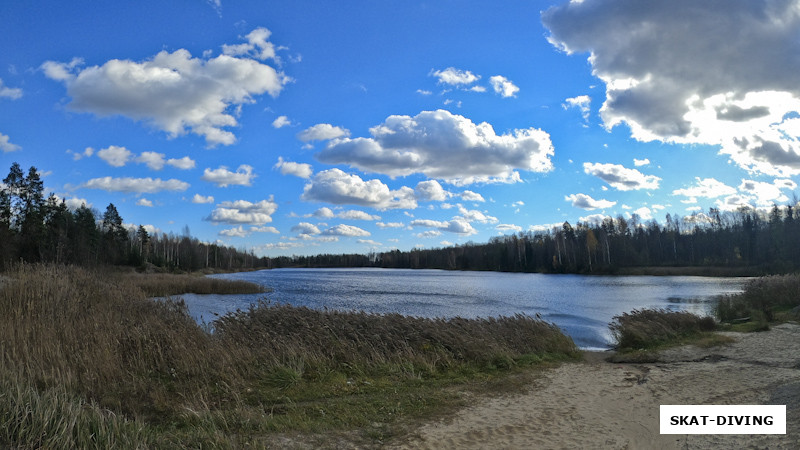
(747, 239)
(38, 229)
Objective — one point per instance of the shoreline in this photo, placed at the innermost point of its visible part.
(598, 404)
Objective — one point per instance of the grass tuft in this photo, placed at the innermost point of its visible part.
(645, 329)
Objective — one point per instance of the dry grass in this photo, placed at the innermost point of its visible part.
(649, 328)
(761, 300)
(87, 361)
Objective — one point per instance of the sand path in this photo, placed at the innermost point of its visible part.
(596, 404)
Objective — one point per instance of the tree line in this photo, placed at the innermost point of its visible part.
(38, 229)
(746, 238)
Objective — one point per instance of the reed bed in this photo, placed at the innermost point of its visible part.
(761, 299)
(649, 328)
(165, 284)
(88, 361)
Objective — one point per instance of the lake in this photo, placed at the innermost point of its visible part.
(581, 305)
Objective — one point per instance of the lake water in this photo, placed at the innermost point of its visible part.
(582, 306)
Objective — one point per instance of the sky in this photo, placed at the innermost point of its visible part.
(298, 128)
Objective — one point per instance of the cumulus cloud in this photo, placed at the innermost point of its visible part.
(357, 215)
(503, 86)
(765, 194)
(175, 92)
(339, 188)
(202, 199)
(390, 225)
(244, 212)
(145, 202)
(240, 231)
(706, 188)
(301, 170)
(586, 202)
(223, 177)
(306, 228)
(6, 146)
(455, 77)
(115, 156)
(322, 132)
(431, 190)
(324, 212)
(473, 215)
(281, 121)
(674, 71)
(184, 163)
(446, 146)
(641, 162)
(457, 226)
(620, 177)
(73, 203)
(7, 92)
(508, 227)
(257, 46)
(469, 196)
(345, 230)
(135, 185)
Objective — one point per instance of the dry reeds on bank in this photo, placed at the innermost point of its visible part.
(88, 361)
(647, 328)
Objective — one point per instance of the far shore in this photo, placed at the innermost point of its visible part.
(598, 404)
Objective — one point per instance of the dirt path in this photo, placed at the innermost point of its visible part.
(597, 404)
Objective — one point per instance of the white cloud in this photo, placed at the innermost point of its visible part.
(281, 121)
(765, 194)
(644, 213)
(594, 219)
(429, 234)
(115, 156)
(306, 228)
(473, 215)
(322, 132)
(369, 242)
(390, 225)
(6, 146)
(455, 77)
(707, 188)
(674, 72)
(235, 232)
(135, 185)
(582, 102)
(345, 230)
(7, 92)
(153, 160)
(89, 151)
(503, 86)
(357, 215)
(339, 188)
(641, 162)
(244, 212)
(469, 196)
(184, 163)
(144, 202)
(457, 226)
(73, 203)
(292, 168)
(201, 199)
(257, 46)
(431, 190)
(324, 212)
(506, 227)
(620, 177)
(173, 92)
(223, 177)
(586, 202)
(446, 146)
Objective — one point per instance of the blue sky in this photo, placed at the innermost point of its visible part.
(308, 127)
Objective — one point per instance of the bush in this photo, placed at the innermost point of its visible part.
(761, 297)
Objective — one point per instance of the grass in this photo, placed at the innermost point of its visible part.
(764, 300)
(87, 361)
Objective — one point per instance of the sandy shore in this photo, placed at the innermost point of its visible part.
(596, 404)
